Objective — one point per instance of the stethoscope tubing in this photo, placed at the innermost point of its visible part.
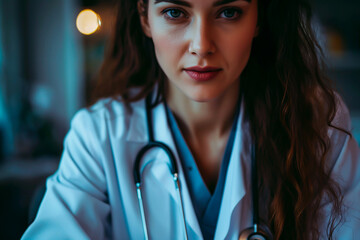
(173, 168)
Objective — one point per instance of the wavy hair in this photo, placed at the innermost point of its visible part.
(290, 104)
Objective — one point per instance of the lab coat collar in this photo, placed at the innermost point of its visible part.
(160, 123)
(236, 183)
(137, 131)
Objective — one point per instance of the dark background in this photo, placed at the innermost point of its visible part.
(47, 69)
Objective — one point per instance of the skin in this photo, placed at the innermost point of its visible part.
(203, 34)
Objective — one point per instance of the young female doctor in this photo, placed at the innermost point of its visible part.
(213, 120)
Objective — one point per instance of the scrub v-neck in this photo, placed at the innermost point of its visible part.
(206, 205)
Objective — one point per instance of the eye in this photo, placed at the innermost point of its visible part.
(173, 13)
(231, 13)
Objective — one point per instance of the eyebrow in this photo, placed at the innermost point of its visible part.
(187, 4)
(222, 2)
(177, 2)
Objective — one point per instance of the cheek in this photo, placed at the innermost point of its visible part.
(166, 50)
(242, 38)
(162, 44)
(238, 48)
(169, 44)
(242, 51)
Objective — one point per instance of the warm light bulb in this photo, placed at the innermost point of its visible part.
(88, 22)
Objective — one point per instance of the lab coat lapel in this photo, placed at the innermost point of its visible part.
(231, 216)
(137, 132)
(162, 134)
(137, 129)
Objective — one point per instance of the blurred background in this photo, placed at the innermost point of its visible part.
(50, 53)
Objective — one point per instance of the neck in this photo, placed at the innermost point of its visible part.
(196, 120)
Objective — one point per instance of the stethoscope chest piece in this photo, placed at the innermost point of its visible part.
(251, 234)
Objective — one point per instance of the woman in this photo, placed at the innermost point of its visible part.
(236, 90)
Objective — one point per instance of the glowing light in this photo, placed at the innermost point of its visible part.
(88, 22)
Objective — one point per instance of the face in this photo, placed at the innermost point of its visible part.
(202, 45)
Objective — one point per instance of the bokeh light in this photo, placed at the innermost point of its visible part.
(88, 22)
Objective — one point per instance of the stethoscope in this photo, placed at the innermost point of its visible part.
(256, 232)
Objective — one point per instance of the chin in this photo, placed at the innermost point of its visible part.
(202, 98)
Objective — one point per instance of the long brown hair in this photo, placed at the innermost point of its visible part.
(290, 104)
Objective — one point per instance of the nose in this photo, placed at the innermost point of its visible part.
(201, 40)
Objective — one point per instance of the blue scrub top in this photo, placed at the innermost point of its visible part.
(206, 206)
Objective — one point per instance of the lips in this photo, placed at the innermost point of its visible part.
(202, 73)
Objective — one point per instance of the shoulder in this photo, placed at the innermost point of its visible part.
(344, 154)
(109, 109)
(340, 127)
(107, 116)
(344, 166)
(342, 116)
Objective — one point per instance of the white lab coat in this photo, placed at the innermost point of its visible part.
(93, 196)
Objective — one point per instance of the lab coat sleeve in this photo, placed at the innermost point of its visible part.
(345, 170)
(75, 205)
